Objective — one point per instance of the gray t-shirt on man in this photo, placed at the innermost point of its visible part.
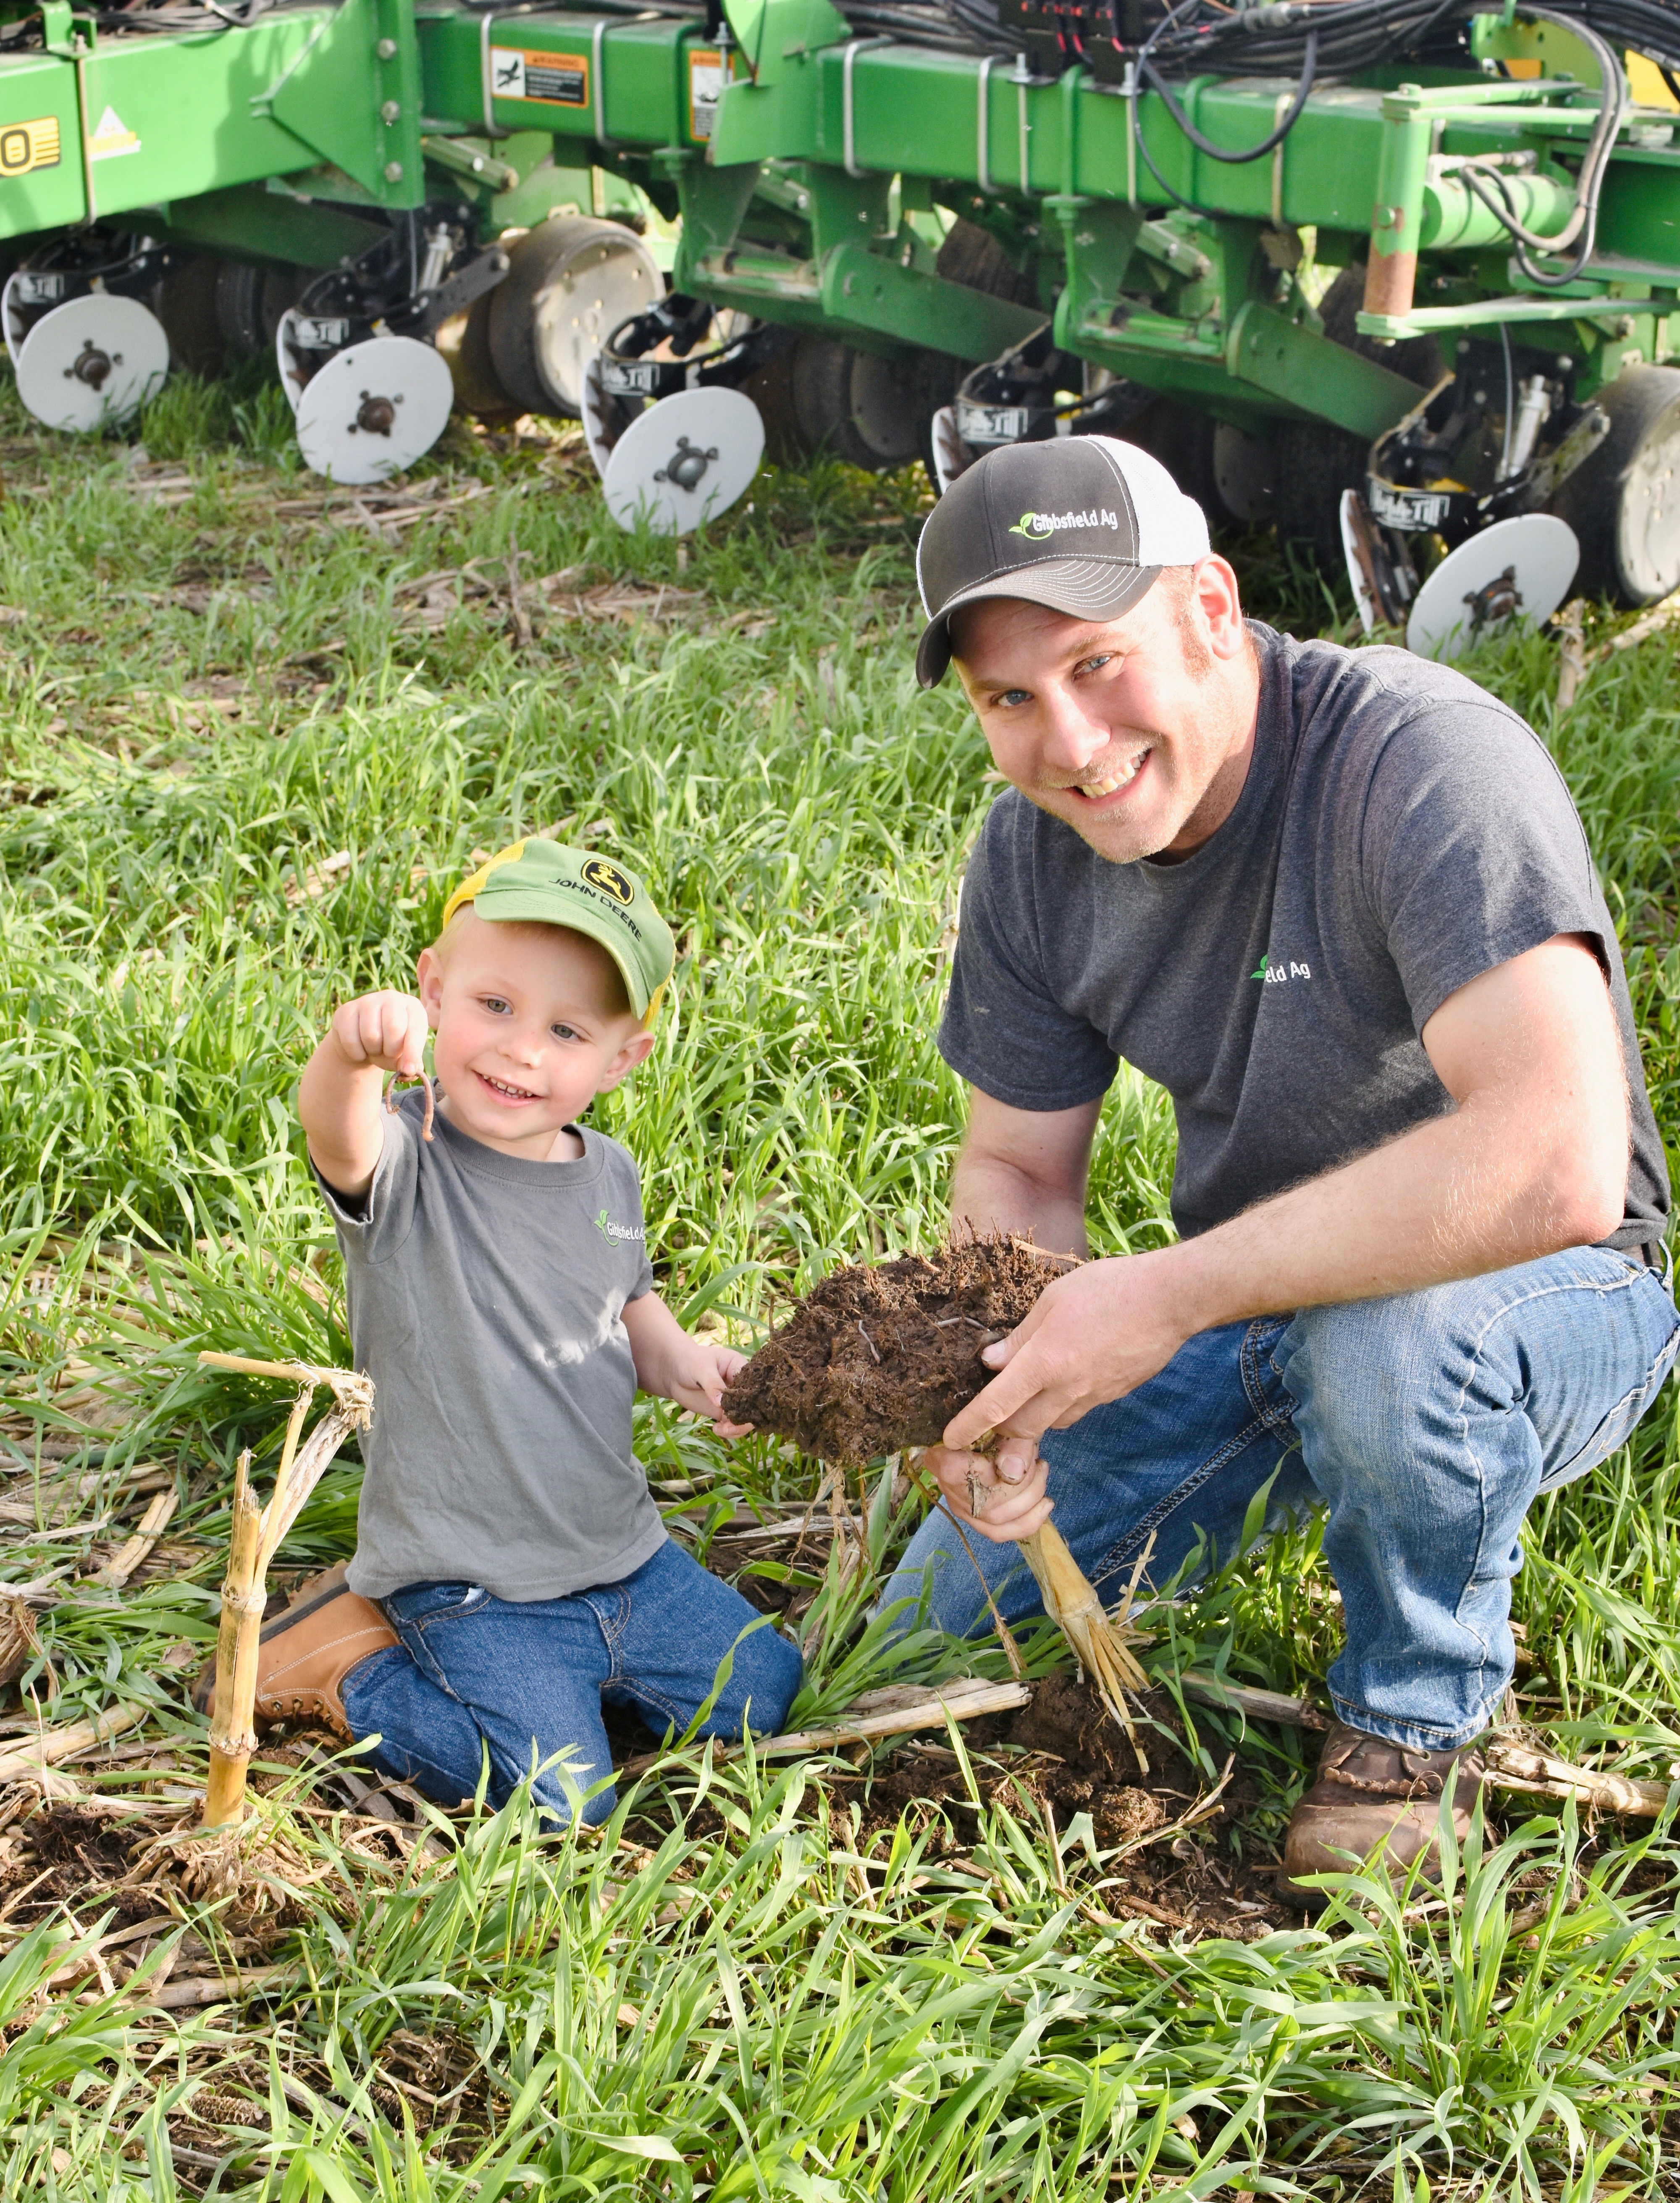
(486, 1299)
(1399, 833)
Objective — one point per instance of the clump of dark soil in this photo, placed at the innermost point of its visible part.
(77, 1857)
(1063, 1754)
(881, 1356)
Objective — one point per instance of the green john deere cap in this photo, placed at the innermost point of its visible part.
(545, 884)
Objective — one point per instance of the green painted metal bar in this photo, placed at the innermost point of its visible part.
(380, 104)
(1287, 361)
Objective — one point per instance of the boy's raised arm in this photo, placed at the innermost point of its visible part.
(339, 1095)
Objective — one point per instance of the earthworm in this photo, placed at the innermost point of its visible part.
(393, 1101)
(867, 1342)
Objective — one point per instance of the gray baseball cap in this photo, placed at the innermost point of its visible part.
(1083, 524)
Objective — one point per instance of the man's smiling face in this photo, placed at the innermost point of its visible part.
(1136, 731)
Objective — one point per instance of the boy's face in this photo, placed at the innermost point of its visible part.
(530, 1025)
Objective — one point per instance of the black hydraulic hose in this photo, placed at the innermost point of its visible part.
(1483, 184)
(1203, 145)
(1178, 199)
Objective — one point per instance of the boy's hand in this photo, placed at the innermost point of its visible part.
(697, 1378)
(679, 1367)
(339, 1095)
(387, 1031)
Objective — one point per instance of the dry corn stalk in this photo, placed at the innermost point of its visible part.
(18, 1640)
(252, 1544)
(1072, 1604)
(1098, 1640)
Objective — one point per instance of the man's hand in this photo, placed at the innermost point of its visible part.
(386, 1031)
(1092, 1336)
(1003, 1500)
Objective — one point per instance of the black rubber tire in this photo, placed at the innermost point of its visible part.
(822, 396)
(1316, 462)
(1181, 439)
(1417, 358)
(771, 388)
(186, 301)
(1623, 501)
(546, 314)
(971, 257)
(463, 341)
(250, 301)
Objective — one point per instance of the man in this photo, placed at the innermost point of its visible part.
(1340, 904)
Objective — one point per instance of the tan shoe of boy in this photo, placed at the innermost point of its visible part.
(1371, 1793)
(305, 1654)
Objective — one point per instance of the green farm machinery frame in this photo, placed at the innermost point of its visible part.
(1401, 277)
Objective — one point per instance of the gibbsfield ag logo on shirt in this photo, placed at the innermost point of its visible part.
(1034, 524)
(1280, 973)
(612, 1232)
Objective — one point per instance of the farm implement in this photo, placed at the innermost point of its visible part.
(1403, 278)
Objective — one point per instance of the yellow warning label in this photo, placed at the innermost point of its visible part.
(555, 80)
(27, 145)
(111, 137)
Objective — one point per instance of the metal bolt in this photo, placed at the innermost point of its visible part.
(386, 50)
(393, 172)
(389, 113)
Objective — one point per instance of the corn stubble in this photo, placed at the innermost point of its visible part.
(742, 1983)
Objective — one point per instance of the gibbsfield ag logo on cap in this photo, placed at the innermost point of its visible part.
(1034, 524)
(610, 880)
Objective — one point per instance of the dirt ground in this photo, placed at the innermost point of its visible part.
(1064, 1754)
(879, 1357)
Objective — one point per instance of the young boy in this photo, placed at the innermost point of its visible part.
(511, 1569)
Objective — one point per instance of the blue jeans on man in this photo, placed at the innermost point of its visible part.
(1426, 1423)
(526, 1680)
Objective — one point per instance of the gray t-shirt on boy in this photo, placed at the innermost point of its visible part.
(485, 1295)
(1399, 832)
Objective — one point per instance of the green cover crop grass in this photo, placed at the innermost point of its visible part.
(254, 733)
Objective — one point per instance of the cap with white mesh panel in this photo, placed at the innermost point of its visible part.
(1082, 524)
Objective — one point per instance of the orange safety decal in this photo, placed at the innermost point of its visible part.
(556, 79)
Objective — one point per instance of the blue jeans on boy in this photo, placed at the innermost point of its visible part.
(528, 1679)
(1426, 1423)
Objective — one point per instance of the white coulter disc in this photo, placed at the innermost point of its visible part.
(684, 460)
(27, 291)
(92, 362)
(1516, 572)
(374, 408)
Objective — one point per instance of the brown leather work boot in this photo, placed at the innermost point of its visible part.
(305, 1654)
(1372, 1793)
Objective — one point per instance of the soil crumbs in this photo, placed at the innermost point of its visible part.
(880, 1356)
(1065, 1754)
